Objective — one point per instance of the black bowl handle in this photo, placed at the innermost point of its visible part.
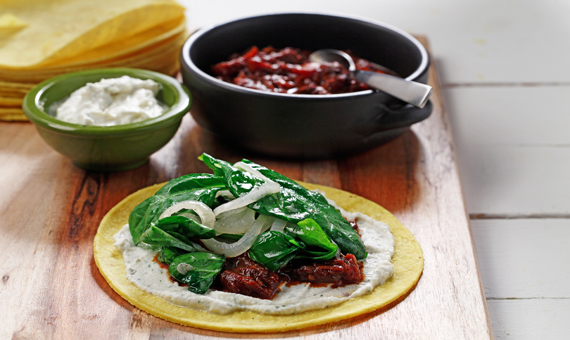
(404, 116)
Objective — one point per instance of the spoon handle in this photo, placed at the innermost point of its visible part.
(411, 92)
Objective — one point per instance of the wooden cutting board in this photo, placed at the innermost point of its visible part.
(50, 211)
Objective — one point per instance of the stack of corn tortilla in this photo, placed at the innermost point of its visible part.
(40, 39)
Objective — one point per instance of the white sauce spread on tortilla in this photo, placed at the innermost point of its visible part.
(113, 101)
(150, 277)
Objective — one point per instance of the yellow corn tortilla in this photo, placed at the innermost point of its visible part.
(407, 260)
(10, 102)
(124, 47)
(51, 31)
(11, 114)
(154, 57)
(15, 85)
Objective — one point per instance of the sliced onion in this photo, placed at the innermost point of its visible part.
(184, 268)
(248, 168)
(225, 194)
(254, 195)
(278, 225)
(268, 188)
(193, 217)
(232, 212)
(242, 245)
(267, 224)
(237, 221)
(206, 214)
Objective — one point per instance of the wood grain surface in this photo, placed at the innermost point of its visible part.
(50, 211)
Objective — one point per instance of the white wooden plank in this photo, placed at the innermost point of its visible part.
(514, 181)
(513, 153)
(527, 258)
(473, 42)
(514, 116)
(530, 319)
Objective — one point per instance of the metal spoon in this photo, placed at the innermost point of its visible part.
(411, 92)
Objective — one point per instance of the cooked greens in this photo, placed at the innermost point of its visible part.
(197, 187)
(314, 229)
(317, 244)
(293, 203)
(197, 270)
(273, 249)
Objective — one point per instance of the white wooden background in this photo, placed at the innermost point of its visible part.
(504, 66)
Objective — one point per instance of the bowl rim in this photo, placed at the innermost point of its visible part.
(32, 103)
(188, 63)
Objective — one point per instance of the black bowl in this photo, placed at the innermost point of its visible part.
(294, 125)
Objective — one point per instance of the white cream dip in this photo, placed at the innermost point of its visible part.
(113, 101)
(150, 277)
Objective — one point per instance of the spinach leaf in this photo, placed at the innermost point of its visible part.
(185, 226)
(273, 249)
(237, 181)
(187, 213)
(229, 238)
(189, 183)
(293, 203)
(198, 187)
(168, 254)
(318, 245)
(158, 238)
(197, 270)
(297, 203)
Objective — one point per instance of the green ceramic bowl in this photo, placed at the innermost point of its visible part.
(106, 148)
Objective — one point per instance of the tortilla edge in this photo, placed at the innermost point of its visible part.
(109, 260)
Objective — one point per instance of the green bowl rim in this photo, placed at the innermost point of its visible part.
(42, 118)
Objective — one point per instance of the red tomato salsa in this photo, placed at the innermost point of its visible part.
(290, 71)
(242, 275)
